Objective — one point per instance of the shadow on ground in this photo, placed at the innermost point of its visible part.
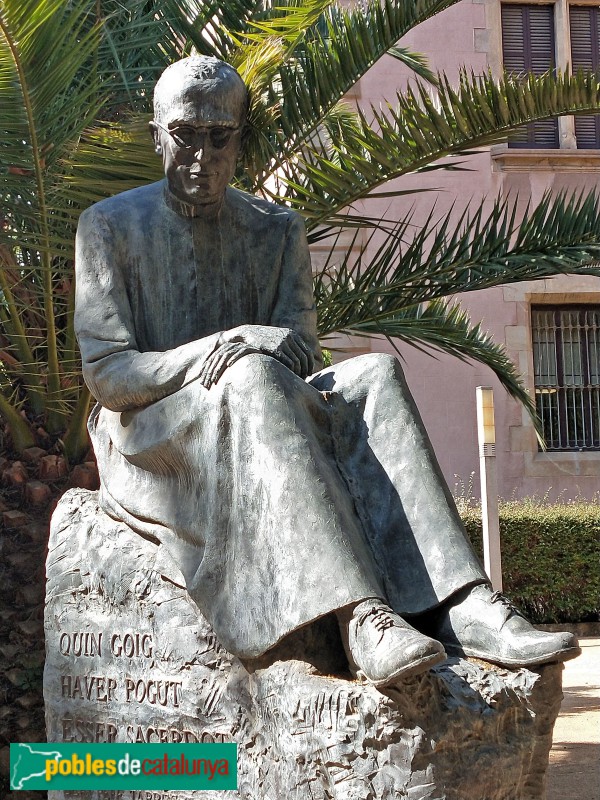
(574, 772)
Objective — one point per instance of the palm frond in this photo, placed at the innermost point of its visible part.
(343, 46)
(443, 327)
(111, 157)
(44, 102)
(137, 42)
(416, 62)
(423, 128)
(207, 27)
(364, 293)
(290, 22)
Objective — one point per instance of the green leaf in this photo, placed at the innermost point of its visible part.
(439, 326)
(416, 62)
(421, 129)
(365, 290)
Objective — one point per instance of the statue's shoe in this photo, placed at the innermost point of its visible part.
(484, 624)
(384, 648)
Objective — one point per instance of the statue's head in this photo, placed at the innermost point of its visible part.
(200, 107)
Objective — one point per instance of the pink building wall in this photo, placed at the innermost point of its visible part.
(444, 388)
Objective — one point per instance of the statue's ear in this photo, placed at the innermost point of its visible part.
(155, 133)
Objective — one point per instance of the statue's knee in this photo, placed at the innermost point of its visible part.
(378, 367)
(252, 368)
(359, 375)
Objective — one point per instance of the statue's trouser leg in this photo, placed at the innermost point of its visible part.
(277, 488)
(410, 519)
(247, 472)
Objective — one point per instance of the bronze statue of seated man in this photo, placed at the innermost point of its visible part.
(280, 491)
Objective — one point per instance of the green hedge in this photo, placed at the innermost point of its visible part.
(550, 557)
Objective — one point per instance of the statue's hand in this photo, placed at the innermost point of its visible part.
(217, 362)
(284, 344)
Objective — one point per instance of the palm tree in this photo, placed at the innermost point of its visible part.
(75, 80)
(59, 74)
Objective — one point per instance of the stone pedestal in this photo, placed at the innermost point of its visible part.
(130, 659)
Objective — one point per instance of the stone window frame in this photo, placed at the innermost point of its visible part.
(561, 290)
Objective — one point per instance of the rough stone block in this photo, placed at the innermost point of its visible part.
(37, 493)
(85, 476)
(15, 475)
(131, 659)
(14, 519)
(52, 468)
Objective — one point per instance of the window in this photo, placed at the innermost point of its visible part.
(566, 356)
(585, 45)
(529, 44)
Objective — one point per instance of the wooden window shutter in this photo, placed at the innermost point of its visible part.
(528, 45)
(585, 43)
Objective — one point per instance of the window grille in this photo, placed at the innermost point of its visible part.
(566, 356)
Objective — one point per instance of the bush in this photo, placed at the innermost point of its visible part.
(550, 557)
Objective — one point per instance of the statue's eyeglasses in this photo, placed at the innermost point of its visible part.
(187, 136)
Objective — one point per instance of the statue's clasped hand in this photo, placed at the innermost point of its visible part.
(284, 344)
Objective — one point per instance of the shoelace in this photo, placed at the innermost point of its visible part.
(379, 617)
(498, 597)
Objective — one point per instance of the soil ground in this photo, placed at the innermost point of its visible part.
(29, 490)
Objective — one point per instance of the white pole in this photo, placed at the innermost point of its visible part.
(486, 434)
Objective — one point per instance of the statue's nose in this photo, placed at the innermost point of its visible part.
(202, 146)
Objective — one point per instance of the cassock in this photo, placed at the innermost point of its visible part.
(274, 500)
